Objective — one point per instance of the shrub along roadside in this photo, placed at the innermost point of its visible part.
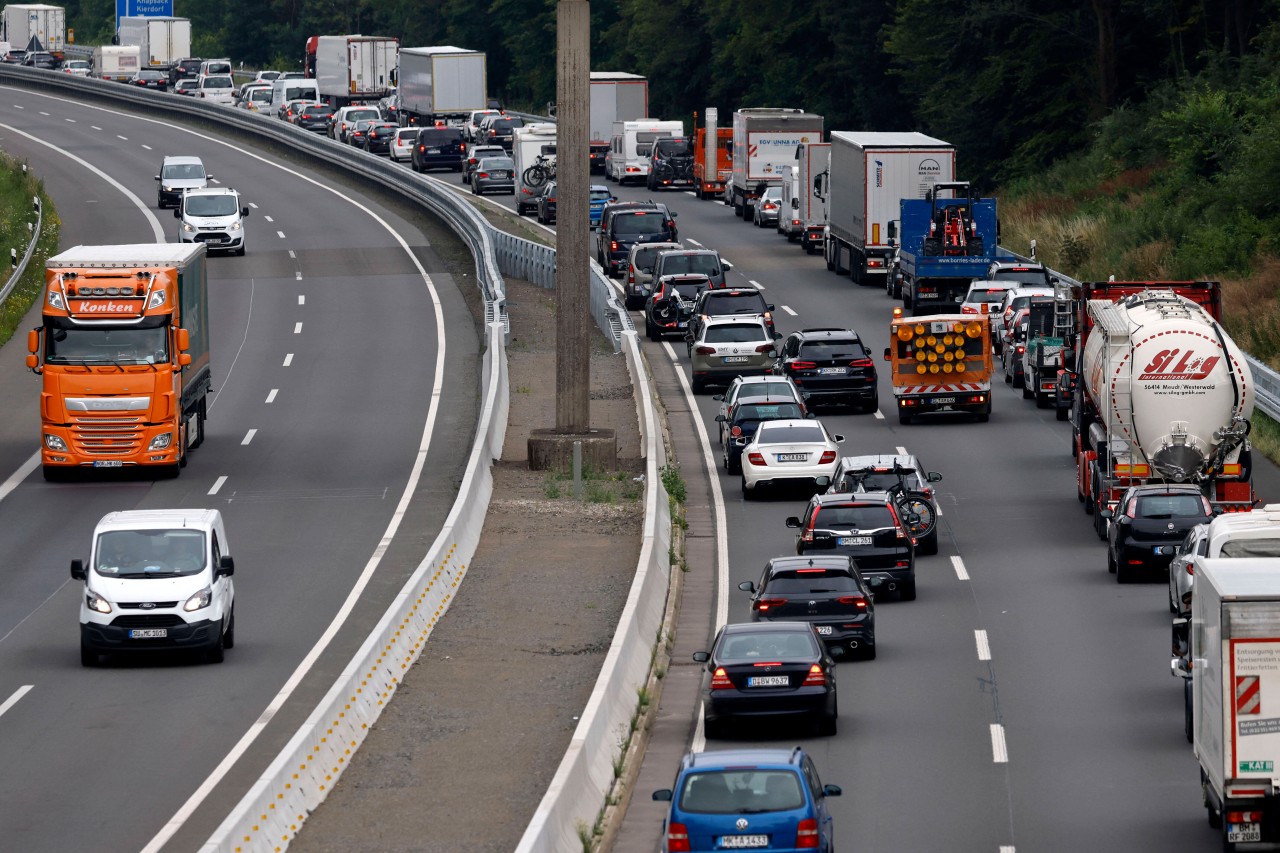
(17, 190)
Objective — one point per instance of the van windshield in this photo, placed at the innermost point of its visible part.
(211, 205)
(700, 264)
(150, 553)
(298, 93)
(639, 223)
(182, 171)
(216, 83)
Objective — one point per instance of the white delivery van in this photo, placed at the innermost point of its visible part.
(216, 88)
(294, 89)
(157, 580)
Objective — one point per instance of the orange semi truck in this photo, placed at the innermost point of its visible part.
(123, 356)
(940, 363)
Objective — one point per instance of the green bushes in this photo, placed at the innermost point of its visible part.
(17, 189)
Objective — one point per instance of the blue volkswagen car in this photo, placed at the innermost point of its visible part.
(757, 799)
(600, 196)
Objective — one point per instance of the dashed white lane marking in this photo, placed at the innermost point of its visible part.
(297, 276)
(958, 564)
(255, 207)
(999, 750)
(43, 113)
(95, 127)
(939, 513)
(248, 437)
(699, 732)
(148, 147)
(1007, 848)
(268, 218)
(302, 299)
(902, 451)
(297, 328)
(280, 234)
(18, 107)
(293, 255)
(15, 698)
(70, 120)
(984, 646)
(692, 242)
(288, 359)
(879, 415)
(271, 397)
(787, 308)
(125, 138)
(757, 285)
(214, 181)
(217, 484)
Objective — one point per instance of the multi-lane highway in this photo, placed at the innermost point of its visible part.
(345, 382)
(1024, 700)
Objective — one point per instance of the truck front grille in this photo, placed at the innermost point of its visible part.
(106, 436)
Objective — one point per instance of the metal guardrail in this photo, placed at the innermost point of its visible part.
(21, 267)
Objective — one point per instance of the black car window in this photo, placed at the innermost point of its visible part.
(742, 647)
(863, 517)
(700, 264)
(1240, 548)
(985, 295)
(1170, 506)
(645, 257)
(1025, 276)
(802, 434)
(818, 580)
(639, 223)
(678, 147)
(439, 136)
(767, 412)
(729, 334)
(316, 111)
(741, 791)
(826, 350)
(504, 126)
(721, 302)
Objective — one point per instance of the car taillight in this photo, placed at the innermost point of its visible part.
(828, 456)
(678, 838)
(764, 348)
(756, 459)
(473, 161)
(861, 362)
(855, 600)
(720, 680)
(1191, 568)
(815, 678)
(765, 603)
(613, 245)
(807, 834)
(482, 174)
(421, 148)
(551, 200)
(968, 309)
(802, 365)
(705, 350)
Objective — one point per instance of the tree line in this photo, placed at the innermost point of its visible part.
(1014, 84)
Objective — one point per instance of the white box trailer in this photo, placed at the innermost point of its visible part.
(804, 209)
(869, 174)
(616, 96)
(631, 143)
(25, 21)
(163, 41)
(1235, 687)
(528, 144)
(116, 61)
(355, 68)
(765, 140)
(438, 82)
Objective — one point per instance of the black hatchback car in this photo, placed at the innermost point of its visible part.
(314, 117)
(744, 418)
(377, 139)
(1148, 524)
(869, 529)
(667, 310)
(768, 669)
(439, 148)
(824, 591)
(830, 366)
(624, 224)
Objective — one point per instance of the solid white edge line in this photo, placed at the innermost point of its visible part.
(288, 359)
(999, 749)
(984, 645)
(248, 437)
(693, 242)
(271, 397)
(15, 697)
(787, 308)
(24, 470)
(717, 496)
(958, 565)
(699, 742)
(297, 328)
(217, 485)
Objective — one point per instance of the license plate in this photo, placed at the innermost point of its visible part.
(148, 633)
(824, 630)
(833, 371)
(926, 296)
(433, 150)
(940, 400)
(1244, 832)
(768, 681)
(735, 359)
(792, 457)
(108, 463)
(742, 842)
(853, 540)
(1163, 549)
(502, 174)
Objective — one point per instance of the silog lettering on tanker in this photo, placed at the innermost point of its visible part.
(1180, 372)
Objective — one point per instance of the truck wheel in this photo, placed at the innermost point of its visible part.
(983, 417)
(904, 418)
(1188, 718)
(1027, 393)
(826, 254)
(54, 473)
(1008, 378)
(839, 252)
(737, 208)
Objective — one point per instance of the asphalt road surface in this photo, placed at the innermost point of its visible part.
(328, 383)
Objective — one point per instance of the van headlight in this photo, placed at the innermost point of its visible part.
(236, 226)
(96, 603)
(199, 601)
(188, 227)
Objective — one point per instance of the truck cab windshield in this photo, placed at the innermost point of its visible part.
(149, 553)
(96, 345)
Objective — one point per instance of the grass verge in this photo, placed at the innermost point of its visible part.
(18, 187)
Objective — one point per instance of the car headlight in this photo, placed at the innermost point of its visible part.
(160, 442)
(54, 442)
(96, 603)
(188, 227)
(199, 601)
(236, 226)
(163, 188)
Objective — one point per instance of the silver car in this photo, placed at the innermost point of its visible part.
(768, 208)
(1181, 576)
(729, 347)
(637, 280)
(494, 173)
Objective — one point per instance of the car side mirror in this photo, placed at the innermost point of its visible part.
(226, 566)
(702, 657)
(777, 336)
(721, 419)
(208, 177)
(184, 340)
(747, 586)
(793, 521)
(770, 307)
(832, 790)
(184, 359)
(866, 350)
(839, 438)
(77, 570)
(157, 177)
(727, 266)
(933, 477)
(893, 229)
(1106, 513)
(662, 796)
(177, 213)
(244, 211)
(718, 398)
(33, 341)
(887, 357)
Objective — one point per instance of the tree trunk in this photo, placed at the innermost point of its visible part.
(1105, 58)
